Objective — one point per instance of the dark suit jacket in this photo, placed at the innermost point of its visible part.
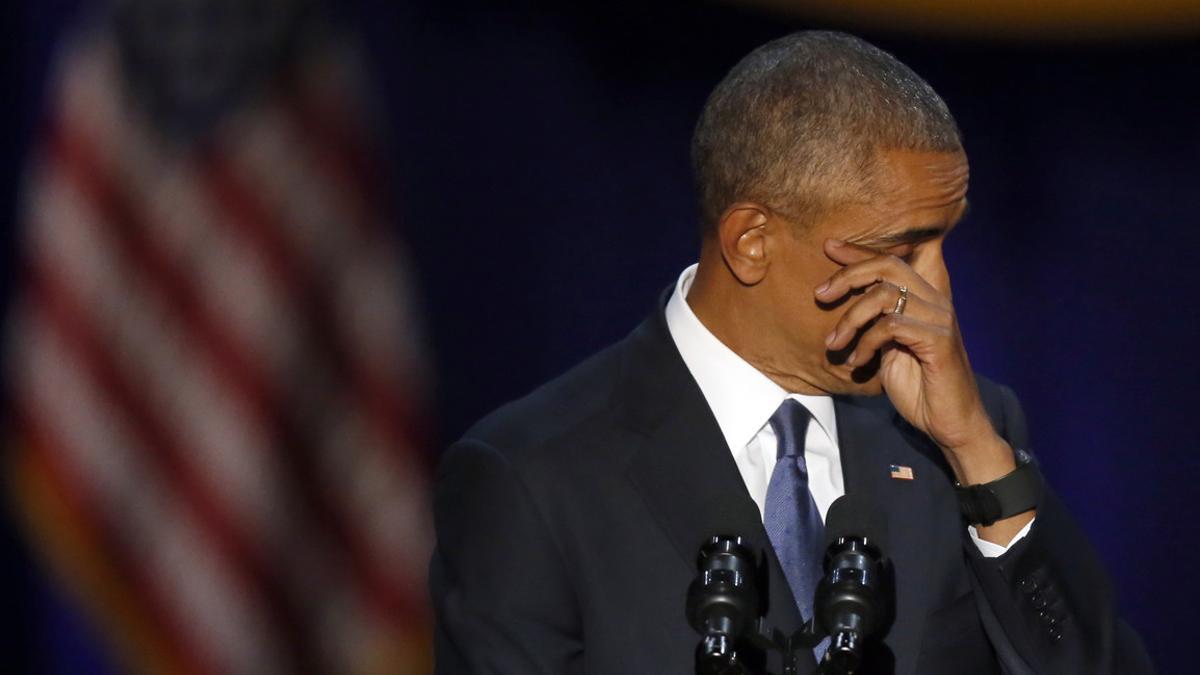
(568, 524)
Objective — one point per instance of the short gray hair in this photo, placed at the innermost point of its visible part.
(798, 123)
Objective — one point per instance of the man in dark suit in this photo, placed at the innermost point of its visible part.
(813, 351)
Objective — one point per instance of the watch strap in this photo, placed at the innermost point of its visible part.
(1016, 492)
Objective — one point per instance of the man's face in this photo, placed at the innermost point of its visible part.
(920, 196)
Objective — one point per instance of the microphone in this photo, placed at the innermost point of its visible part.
(722, 603)
(853, 600)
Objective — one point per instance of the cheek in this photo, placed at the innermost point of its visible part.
(812, 267)
(798, 314)
(820, 317)
(819, 320)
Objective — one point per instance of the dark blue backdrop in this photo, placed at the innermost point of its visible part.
(541, 157)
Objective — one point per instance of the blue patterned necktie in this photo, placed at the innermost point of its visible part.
(792, 520)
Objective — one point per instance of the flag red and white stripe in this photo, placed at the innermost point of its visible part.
(216, 375)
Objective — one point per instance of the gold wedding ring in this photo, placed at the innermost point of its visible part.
(901, 301)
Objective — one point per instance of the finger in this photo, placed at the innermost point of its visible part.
(922, 339)
(874, 270)
(846, 253)
(882, 299)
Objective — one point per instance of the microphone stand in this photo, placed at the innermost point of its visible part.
(723, 598)
(791, 646)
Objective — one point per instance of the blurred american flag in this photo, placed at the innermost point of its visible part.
(216, 375)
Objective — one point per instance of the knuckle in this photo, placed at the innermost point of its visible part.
(946, 316)
(882, 291)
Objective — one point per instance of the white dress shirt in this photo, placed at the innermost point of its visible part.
(743, 399)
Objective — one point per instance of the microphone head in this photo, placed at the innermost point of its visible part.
(856, 516)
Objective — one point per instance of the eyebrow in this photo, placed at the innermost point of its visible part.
(917, 235)
(911, 236)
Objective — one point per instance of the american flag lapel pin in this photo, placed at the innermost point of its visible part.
(900, 472)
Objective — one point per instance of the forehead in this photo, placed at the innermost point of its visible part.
(908, 190)
(922, 175)
(920, 185)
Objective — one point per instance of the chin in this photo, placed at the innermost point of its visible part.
(847, 385)
(871, 387)
(861, 381)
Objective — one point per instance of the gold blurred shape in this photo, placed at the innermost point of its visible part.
(1024, 19)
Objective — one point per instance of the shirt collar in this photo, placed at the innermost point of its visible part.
(740, 396)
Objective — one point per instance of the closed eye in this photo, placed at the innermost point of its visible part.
(905, 252)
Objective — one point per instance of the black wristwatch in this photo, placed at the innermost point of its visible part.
(1016, 492)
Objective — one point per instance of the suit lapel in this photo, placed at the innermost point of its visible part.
(682, 467)
(692, 486)
(686, 475)
(871, 440)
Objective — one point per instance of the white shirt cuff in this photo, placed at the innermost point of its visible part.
(991, 550)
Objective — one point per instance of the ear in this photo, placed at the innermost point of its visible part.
(743, 236)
